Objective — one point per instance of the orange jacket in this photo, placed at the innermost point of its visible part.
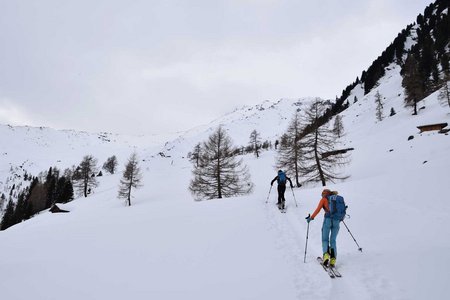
(323, 203)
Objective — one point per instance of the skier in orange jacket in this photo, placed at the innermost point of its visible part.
(330, 229)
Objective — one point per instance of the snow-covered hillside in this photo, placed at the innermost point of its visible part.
(167, 246)
(270, 119)
(31, 150)
(38, 148)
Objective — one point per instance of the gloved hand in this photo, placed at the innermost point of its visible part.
(309, 219)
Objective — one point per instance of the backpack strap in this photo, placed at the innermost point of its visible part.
(327, 212)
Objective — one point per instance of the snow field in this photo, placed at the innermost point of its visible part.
(167, 246)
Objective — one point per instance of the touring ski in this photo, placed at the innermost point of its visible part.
(336, 272)
(327, 269)
(282, 208)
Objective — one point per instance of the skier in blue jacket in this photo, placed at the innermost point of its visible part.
(281, 178)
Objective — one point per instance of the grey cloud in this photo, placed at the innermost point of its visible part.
(128, 66)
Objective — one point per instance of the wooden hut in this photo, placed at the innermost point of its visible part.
(431, 127)
(56, 209)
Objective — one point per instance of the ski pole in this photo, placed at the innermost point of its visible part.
(267, 200)
(296, 205)
(306, 244)
(359, 248)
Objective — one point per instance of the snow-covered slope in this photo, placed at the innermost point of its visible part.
(31, 150)
(270, 119)
(167, 246)
(39, 148)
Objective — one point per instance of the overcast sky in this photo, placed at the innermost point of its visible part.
(140, 67)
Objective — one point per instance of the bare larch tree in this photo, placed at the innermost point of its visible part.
(219, 174)
(255, 142)
(316, 166)
(84, 176)
(338, 127)
(132, 178)
(444, 93)
(111, 164)
(194, 156)
(379, 106)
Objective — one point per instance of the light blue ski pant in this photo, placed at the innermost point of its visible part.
(330, 229)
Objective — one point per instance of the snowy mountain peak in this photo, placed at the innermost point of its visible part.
(269, 118)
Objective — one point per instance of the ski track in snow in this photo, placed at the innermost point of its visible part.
(361, 281)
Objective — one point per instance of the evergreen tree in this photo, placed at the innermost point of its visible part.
(67, 194)
(8, 217)
(37, 196)
(428, 64)
(441, 33)
(131, 178)
(111, 164)
(255, 142)
(219, 174)
(319, 141)
(249, 149)
(28, 213)
(12, 190)
(84, 181)
(445, 64)
(19, 211)
(29, 200)
(2, 201)
(50, 186)
(290, 152)
(64, 190)
(379, 106)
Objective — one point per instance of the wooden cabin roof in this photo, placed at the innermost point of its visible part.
(441, 125)
(437, 126)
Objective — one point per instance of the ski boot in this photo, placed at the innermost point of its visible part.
(333, 257)
(333, 262)
(326, 259)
